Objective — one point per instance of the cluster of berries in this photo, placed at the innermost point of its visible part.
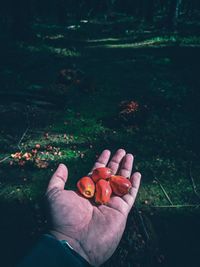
(129, 107)
(101, 184)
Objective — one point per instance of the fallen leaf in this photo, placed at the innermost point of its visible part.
(41, 164)
(21, 162)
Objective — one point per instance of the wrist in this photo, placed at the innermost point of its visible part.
(59, 236)
(72, 243)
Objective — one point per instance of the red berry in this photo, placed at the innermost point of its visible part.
(86, 187)
(103, 192)
(120, 185)
(101, 173)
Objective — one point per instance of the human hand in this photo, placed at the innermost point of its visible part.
(94, 231)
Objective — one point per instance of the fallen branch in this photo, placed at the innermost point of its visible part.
(142, 223)
(18, 145)
(21, 139)
(24, 134)
(2, 160)
(177, 206)
(193, 183)
(165, 193)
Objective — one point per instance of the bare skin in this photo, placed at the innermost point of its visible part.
(94, 231)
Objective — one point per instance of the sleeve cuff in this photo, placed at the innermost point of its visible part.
(50, 252)
(70, 251)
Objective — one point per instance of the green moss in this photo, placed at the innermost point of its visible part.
(58, 51)
(156, 41)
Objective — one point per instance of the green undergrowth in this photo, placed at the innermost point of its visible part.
(84, 123)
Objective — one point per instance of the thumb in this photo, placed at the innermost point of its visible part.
(59, 178)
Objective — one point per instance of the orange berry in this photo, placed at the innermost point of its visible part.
(103, 192)
(86, 187)
(120, 185)
(101, 173)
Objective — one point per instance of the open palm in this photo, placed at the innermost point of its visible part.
(94, 231)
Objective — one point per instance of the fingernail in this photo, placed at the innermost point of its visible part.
(138, 175)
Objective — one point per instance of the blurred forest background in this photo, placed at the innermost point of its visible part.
(77, 77)
(19, 17)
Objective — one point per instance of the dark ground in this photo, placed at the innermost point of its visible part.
(157, 70)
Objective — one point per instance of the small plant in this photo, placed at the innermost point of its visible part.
(129, 107)
(131, 112)
(68, 78)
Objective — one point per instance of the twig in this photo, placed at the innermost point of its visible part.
(142, 223)
(165, 193)
(24, 134)
(2, 160)
(192, 181)
(18, 145)
(21, 139)
(177, 206)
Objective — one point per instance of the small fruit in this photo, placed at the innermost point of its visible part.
(34, 151)
(103, 192)
(27, 156)
(101, 173)
(17, 155)
(86, 187)
(120, 185)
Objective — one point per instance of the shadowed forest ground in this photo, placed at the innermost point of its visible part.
(74, 118)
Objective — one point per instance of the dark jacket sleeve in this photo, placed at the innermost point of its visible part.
(49, 252)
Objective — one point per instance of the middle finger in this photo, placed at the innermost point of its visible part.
(116, 160)
(127, 165)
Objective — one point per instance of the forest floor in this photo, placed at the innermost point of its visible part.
(76, 113)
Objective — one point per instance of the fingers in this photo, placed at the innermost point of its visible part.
(116, 160)
(131, 196)
(127, 165)
(113, 164)
(102, 160)
(59, 178)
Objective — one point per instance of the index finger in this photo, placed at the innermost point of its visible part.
(102, 159)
